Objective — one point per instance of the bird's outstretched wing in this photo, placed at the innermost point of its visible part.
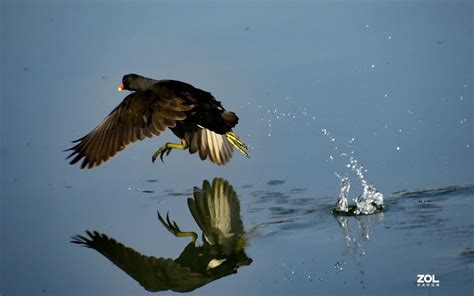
(154, 274)
(210, 144)
(216, 210)
(141, 114)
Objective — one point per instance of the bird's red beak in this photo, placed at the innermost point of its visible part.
(121, 87)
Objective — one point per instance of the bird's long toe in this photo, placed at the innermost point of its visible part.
(160, 152)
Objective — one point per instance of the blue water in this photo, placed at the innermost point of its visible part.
(391, 83)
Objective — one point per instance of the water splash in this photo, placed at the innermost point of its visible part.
(342, 204)
(371, 199)
(369, 202)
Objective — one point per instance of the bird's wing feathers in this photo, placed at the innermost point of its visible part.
(216, 210)
(154, 274)
(210, 144)
(140, 115)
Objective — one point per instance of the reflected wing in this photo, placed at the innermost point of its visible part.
(210, 144)
(216, 210)
(140, 115)
(154, 274)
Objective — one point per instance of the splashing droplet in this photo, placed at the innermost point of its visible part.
(342, 204)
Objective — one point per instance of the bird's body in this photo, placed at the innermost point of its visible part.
(193, 115)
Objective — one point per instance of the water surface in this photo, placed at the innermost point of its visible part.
(316, 85)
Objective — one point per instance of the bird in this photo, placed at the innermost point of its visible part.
(192, 114)
(215, 208)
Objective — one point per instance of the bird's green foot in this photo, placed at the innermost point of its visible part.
(174, 228)
(163, 149)
(167, 149)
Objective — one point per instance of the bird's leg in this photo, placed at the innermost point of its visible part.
(167, 149)
(174, 228)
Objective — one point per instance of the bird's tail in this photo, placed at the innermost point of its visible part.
(237, 143)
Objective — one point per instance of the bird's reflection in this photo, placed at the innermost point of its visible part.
(215, 208)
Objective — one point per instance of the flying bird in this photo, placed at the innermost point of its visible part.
(192, 114)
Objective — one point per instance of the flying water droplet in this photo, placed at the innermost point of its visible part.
(342, 204)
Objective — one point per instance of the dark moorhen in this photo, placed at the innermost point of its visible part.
(192, 114)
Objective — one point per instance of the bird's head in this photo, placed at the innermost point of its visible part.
(134, 82)
(129, 82)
